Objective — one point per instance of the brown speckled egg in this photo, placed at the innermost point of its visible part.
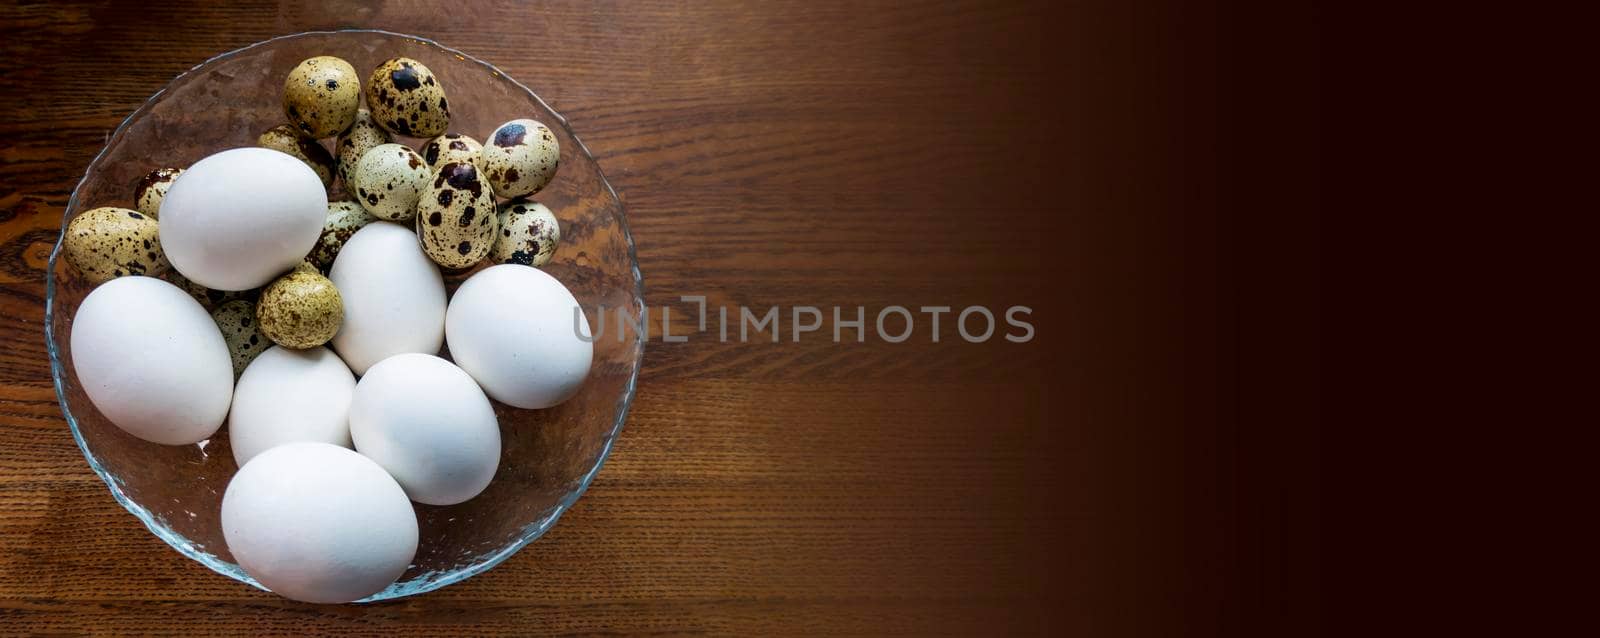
(321, 96)
(388, 180)
(456, 217)
(452, 147)
(300, 310)
(284, 139)
(528, 235)
(344, 219)
(109, 242)
(361, 137)
(406, 99)
(520, 158)
(207, 297)
(152, 189)
(237, 320)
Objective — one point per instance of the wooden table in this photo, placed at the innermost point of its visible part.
(836, 154)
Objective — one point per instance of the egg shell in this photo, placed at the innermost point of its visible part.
(388, 180)
(361, 137)
(238, 219)
(529, 234)
(429, 425)
(302, 309)
(240, 330)
(152, 361)
(109, 242)
(344, 219)
(285, 139)
(521, 335)
(520, 158)
(407, 99)
(318, 523)
(208, 298)
(394, 297)
(152, 188)
(289, 396)
(321, 96)
(455, 217)
(451, 147)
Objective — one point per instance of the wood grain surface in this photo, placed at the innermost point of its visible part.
(769, 154)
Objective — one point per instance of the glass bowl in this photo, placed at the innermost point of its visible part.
(549, 456)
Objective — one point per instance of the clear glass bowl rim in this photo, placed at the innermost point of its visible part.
(178, 541)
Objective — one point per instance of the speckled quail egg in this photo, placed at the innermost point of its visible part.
(300, 310)
(528, 234)
(520, 158)
(321, 96)
(237, 320)
(109, 242)
(451, 147)
(152, 188)
(361, 137)
(456, 217)
(283, 138)
(406, 99)
(388, 180)
(344, 219)
(207, 297)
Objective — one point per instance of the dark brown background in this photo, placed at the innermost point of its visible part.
(1143, 176)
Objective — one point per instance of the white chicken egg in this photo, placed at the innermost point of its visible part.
(429, 425)
(239, 218)
(394, 299)
(152, 360)
(287, 396)
(318, 523)
(521, 335)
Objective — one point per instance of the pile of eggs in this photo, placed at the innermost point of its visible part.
(236, 292)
